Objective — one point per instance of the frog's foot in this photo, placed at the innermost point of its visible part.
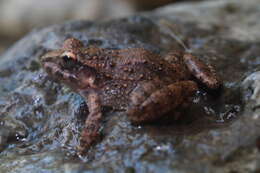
(91, 132)
(149, 104)
(204, 73)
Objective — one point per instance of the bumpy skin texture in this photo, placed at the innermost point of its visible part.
(145, 84)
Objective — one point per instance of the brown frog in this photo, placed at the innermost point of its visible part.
(145, 84)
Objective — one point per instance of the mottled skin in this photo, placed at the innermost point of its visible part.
(145, 84)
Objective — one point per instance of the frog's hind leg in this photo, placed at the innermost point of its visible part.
(149, 104)
(91, 131)
(204, 73)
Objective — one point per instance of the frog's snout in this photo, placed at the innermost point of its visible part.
(51, 56)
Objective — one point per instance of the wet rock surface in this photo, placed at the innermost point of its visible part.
(40, 120)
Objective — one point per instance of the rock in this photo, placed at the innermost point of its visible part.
(4, 133)
(251, 89)
(11, 130)
(217, 134)
(252, 86)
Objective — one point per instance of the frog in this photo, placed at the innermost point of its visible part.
(146, 85)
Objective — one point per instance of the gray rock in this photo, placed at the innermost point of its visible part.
(252, 82)
(251, 86)
(4, 133)
(217, 134)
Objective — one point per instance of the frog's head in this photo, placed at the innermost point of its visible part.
(63, 65)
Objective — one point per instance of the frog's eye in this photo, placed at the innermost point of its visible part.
(67, 56)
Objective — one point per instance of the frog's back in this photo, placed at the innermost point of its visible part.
(139, 64)
(132, 66)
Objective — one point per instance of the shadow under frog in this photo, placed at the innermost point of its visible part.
(145, 84)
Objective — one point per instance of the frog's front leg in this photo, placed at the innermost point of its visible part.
(148, 103)
(91, 131)
(204, 73)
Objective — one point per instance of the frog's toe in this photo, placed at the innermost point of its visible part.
(203, 72)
